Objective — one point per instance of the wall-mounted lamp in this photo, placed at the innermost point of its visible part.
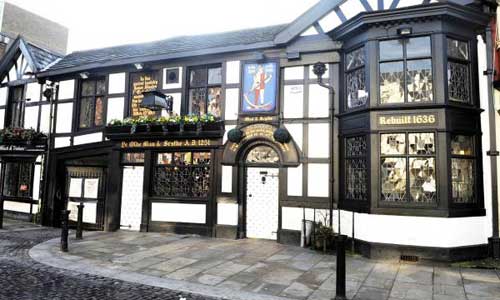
(405, 31)
(155, 100)
(84, 75)
(138, 66)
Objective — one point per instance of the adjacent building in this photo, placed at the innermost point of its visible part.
(386, 146)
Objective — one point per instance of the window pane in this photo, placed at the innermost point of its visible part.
(418, 47)
(215, 75)
(355, 58)
(88, 88)
(182, 158)
(392, 144)
(419, 80)
(10, 179)
(355, 146)
(393, 176)
(86, 112)
(133, 157)
(198, 77)
(458, 82)
(99, 111)
(214, 102)
(101, 87)
(458, 49)
(462, 145)
(462, 177)
(164, 158)
(391, 82)
(197, 101)
(421, 143)
(356, 88)
(356, 179)
(392, 49)
(201, 158)
(422, 180)
(293, 99)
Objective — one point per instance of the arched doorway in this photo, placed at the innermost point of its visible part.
(262, 192)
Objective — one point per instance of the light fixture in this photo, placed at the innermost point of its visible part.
(84, 75)
(405, 31)
(155, 100)
(139, 66)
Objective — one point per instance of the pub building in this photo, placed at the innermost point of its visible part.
(384, 146)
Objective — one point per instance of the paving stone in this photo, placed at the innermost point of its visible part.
(411, 291)
(482, 289)
(297, 291)
(415, 274)
(281, 276)
(378, 282)
(265, 288)
(226, 269)
(315, 277)
(448, 276)
(183, 273)
(322, 295)
(480, 275)
(244, 278)
(371, 293)
(173, 264)
(449, 290)
(209, 279)
(233, 285)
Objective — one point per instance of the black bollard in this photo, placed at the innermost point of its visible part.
(64, 230)
(1, 214)
(79, 224)
(340, 290)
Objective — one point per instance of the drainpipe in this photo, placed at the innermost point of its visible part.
(319, 70)
(494, 240)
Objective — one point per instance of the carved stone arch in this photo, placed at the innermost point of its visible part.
(260, 134)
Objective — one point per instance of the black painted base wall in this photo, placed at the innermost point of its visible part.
(17, 215)
(289, 237)
(226, 231)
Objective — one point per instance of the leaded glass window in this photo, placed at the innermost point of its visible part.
(408, 168)
(262, 155)
(17, 181)
(458, 71)
(357, 95)
(405, 71)
(16, 105)
(91, 112)
(133, 158)
(356, 179)
(182, 174)
(463, 173)
(205, 90)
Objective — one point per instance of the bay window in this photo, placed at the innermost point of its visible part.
(357, 95)
(356, 171)
(463, 169)
(458, 71)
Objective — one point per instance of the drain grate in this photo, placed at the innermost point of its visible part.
(409, 258)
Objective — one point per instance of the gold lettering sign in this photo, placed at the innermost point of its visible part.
(170, 144)
(142, 82)
(259, 119)
(397, 120)
(263, 131)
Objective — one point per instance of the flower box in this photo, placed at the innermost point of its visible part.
(190, 127)
(156, 128)
(173, 127)
(141, 128)
(118, 129)
(214, 126)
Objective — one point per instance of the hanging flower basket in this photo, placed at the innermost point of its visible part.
(282, 135)
(235, 135)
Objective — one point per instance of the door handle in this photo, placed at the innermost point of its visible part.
(250, 196)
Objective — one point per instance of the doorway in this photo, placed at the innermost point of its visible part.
(132, 195)
(262, 205)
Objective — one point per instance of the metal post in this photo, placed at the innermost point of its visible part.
(64, 230)
(1, 213)
(79, 224)
(340, 289)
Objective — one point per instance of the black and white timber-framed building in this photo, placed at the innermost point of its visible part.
(393, 158)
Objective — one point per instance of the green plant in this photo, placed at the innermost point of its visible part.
(235, 135)
(162, 120)
(208, 118)
(282, 135)
(115, 122)
(20, 134)
(191, 119)
(174, 119)
(144, 120)
(128, 122)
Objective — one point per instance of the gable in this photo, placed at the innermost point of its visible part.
(327, 15)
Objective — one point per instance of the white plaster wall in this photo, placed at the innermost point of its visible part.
(2, 118)
(296, 130)
(231, 104)
(64, 117)
(36, 182)
(115, 109)
(4, 93)
(31, 117)
(66, 89)
(33, 92)
(294, 181)
(116, 83)
(44, 118)
(294, 73)
(88, 138)
(317, 180)
(291, 217)
(172, 85)
(227, 214)
(233, 71)
(227, 179)
(178, 212)
(60, 142)
(16, 206)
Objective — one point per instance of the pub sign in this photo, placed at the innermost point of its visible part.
(260, 82)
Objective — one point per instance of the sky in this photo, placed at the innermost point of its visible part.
(102, 23)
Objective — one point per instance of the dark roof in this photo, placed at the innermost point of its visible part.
(42, 57)
(168, 46)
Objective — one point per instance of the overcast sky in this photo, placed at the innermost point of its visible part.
(102, 23)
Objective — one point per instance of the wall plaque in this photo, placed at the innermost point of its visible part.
(407, 119)
(142, 82)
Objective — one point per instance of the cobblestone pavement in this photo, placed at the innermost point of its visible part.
(265, 269)
(21, 278)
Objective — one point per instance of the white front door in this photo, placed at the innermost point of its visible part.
(132, 191)
(262, 203)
